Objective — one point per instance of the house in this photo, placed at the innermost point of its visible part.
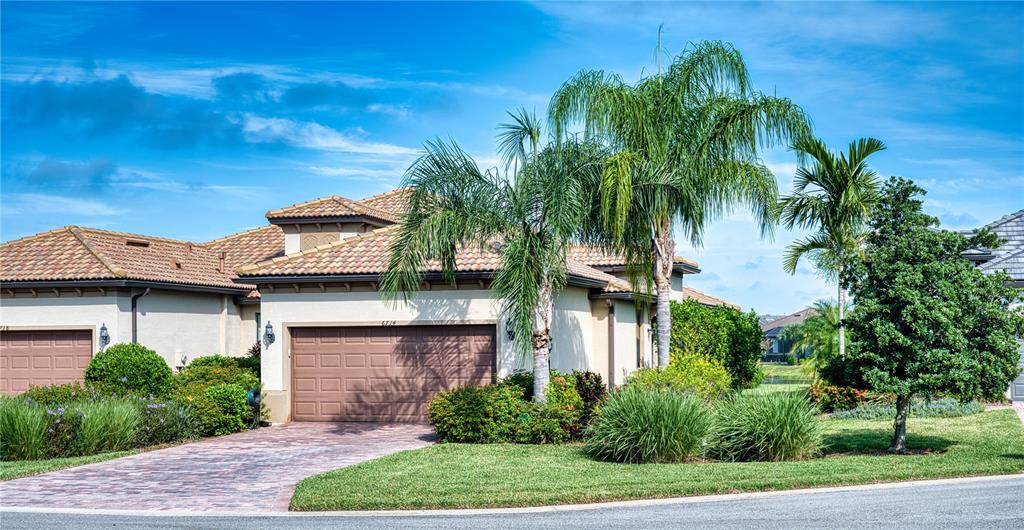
(1008, 258)
(706, 299)
(305, 287)
(777, 348)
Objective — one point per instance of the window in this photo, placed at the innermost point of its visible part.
(258, 327)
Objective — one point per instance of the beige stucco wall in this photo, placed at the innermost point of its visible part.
(676, 282)
(363, 306)
(625, 341)
(599, 332)
(248, 326)
(329, 232)
(45, 310)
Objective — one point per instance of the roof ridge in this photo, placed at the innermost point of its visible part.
(1004, 219)
(365, 208)
(304, 203)
(386, 193)
(38, 235)
(333, 244)
(132, 234)
(110, 265)
(237, 234)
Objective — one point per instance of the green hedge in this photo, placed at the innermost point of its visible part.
(129, 368)
(720, 333)
(707, 378)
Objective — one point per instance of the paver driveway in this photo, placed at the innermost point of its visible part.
(251, 471)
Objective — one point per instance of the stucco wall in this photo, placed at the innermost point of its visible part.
(68, 311)
(329, 232)
(571, 331)
(676, 282)
(248, 329)
(625, 341)
(599, 344)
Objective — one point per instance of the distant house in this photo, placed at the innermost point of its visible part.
(706, 299)
(1008, 258)
(776, 348)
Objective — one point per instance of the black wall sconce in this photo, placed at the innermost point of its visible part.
(268, 335)
(104, 336)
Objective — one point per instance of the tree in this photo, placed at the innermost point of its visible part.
(927, 320)
(834, 196)
(530, 211)
(817, 334)
(722, 333)
(683, 150)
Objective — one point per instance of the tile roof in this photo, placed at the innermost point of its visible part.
(249, 246)
(330, 207)
(706, 299)
(368, 254)
(599, 257)
(1009, 257)
(772, 327)
(75, 253)
(395, 201)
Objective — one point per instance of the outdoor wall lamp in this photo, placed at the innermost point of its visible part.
(104, 336)
(268, 335)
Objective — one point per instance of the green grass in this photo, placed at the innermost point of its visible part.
(775, 374)
(470, 476)
(24, 468)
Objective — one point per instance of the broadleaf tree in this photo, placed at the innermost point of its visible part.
(683, 150)
(927, 320)
(529, 211)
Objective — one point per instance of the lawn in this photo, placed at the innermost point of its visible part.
(25, 468)
(470, 476)
(782, 378)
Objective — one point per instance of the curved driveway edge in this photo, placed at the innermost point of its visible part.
(253, 471)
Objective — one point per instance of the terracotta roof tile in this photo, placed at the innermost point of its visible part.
(599, 257)
(250, 246)
(333, 207)
(706, 299)
(74, 253)
(395, 201)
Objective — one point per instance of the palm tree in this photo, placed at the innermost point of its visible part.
(834, 196)
(683, 151)
(817, 334)
(530, 211)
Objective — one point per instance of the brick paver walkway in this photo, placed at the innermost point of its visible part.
(251, 471)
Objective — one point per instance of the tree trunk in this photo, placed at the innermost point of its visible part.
(542, 345)
(899, 437)
(842, 325)
(664, 252)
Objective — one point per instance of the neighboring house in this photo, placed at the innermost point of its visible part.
(305, 287)
(704, 298)
(1008, 258)
(777, 348)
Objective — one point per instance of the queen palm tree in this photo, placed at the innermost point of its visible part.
(683, 151)
(530, 211)
(834, 195)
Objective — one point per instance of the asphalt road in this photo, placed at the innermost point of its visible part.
(986, 503)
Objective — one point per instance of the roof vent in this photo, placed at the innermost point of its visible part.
(177, 264)
(136, 243)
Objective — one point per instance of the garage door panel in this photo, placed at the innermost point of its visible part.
(385, 373)
(39, 358)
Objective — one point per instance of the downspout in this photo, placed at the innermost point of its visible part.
(135, 314)
(611, 343)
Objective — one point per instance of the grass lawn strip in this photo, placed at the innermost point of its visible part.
(10, 470)
(482, 476)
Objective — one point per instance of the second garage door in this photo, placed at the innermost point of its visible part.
(384, 373)
(41, 358)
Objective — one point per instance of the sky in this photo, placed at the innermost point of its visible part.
(192, 120)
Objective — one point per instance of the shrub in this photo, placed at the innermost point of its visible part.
(523, 381)
(639, 425)
(720, 333)
(693, 373)
(62, 426)
(219, 361)
(250, 363)
(207, 375)
(22, 430)
(592, 392)
(829, 398)
(485, 414)
(771, 427)
(545, 424)
(219, 409)
(107, 425)
(57, 395)
(129, 368)
(938, 408)
(162, 422)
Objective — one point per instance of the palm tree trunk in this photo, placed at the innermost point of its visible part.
(542, 345)
(665, 251)
(842, 313)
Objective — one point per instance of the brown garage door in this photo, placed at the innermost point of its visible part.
(384, 373)
(40, 358)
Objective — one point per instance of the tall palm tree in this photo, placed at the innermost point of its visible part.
(818, 334)
(684, 151)
(834, 196)
(530, 211)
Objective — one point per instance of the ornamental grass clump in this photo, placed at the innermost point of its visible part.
(642, 425)
(22, 430)
(106, 425)
(765, 427)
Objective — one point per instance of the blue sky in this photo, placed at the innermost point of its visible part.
(192, 120)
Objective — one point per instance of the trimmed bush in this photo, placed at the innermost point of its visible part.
(696, 374)
(208, 375)
(219, 409)
(219, 361)
(768, 427)
(937, 408)
(641, 425)
(252, 364)
(523, 381)
(592, 392)
(486, 414)
(829, 398)
(107, 425)
(22, 430)
(57, 395)
(721, 333)
(129, 368)
(163, 422)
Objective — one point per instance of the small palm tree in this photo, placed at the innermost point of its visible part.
(817, 335)
(530, 211)
(835, 196)
(683, 151)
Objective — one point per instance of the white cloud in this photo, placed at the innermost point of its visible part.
(35, 203)
(398, 111)
(358, 173)
(311, 135)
